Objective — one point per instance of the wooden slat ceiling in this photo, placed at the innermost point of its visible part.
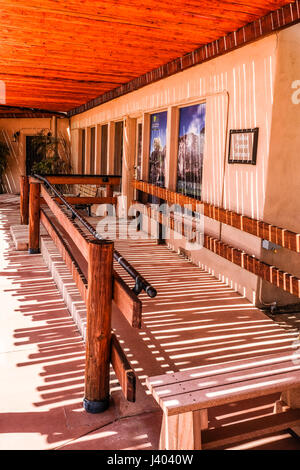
(58, 54)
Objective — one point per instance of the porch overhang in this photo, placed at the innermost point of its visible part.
(73, 56)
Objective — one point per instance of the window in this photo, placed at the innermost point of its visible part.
(83, 151)
(92, 151)
(104, 134)
(118, 152)
(191, 150)
(139, 141)
(158, 132)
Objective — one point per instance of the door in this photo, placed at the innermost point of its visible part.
(31, 153)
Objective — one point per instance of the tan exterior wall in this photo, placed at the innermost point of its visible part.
(247, 88)
(17, 157)
(238, 91)
(283, 172)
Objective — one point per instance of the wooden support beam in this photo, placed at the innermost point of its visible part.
(127, 302)
(84, 179)
(123, 370)
(98, 338)
(24, 200)
(249, 430)
(66, 222)
(109, 192)
(88, 200)
(34, 218)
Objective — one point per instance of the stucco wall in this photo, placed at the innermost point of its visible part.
(238, 89)
(17, 157)
(283, 172)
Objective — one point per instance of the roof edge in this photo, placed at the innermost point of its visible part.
(264, 26)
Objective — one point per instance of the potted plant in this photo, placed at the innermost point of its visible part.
(46, 147)
(4, 152)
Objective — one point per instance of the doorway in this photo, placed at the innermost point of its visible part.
(31, 153)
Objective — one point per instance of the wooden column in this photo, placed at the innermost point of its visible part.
(172, 148)
(98, 337)
(34, 218)
(24, 199)
(110, 148)
(109, 190)
(129, 143)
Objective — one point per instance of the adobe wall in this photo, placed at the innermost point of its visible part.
(17, 157)
(246, 88)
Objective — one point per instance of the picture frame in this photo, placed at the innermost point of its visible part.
(243, 146)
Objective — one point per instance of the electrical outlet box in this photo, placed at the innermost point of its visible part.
(270, 246)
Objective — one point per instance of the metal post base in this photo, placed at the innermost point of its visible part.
(33, 251)
(95, 406)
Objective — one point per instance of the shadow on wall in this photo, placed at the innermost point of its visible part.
(283, 172)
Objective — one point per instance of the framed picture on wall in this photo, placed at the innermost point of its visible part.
(191, 141)
(157, 157)
(243, 146)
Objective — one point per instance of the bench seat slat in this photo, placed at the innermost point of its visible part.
(220, 380)
(223, 368)
(216, 396)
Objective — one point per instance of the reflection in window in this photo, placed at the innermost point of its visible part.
(83, 151)
(104, 134)
(158, 131)
(138, 173)
(92, 152)
(190, 150)
(118, 153)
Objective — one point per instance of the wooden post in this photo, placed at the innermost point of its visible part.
(24, 199)
(98, 337)
(34, 218)
(161, 239)
(109, 190)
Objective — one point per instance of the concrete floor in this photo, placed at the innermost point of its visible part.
(42, 353)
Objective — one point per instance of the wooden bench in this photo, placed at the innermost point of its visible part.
(185, 398)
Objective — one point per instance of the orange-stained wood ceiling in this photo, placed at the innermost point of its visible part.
(58, 54)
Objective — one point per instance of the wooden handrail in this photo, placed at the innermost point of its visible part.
(272, 233)
(103, 285)
(101, 180)
(271, 274)
(66, 222)
(125, 299)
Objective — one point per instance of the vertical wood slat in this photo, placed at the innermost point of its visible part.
(34, 218)
(123, 370)
(98, 339)
(24, 200)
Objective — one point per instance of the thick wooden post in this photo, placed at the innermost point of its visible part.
(34, 218)
(109, 190)
(24, 199)
(98, 337)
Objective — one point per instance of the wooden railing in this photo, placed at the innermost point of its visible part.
(272, 233)
(102, 285)
(282, 237)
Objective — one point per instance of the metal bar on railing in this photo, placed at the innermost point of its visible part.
(140, 282)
